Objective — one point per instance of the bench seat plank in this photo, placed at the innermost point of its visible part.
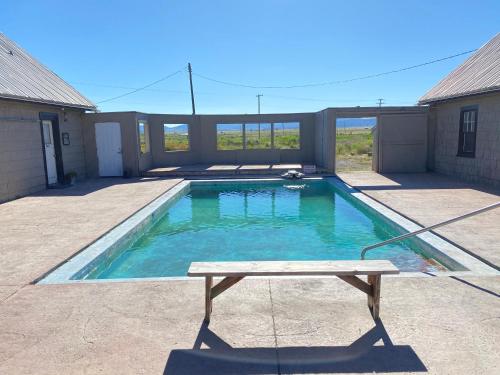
(293, 268)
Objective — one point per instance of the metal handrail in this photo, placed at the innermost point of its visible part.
(411, 234)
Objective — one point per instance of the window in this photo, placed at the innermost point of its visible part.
(229, 136)
(287, 135)
(47, 132)
(176, 137)
(467, 133)
(143, 131)
(258, 136)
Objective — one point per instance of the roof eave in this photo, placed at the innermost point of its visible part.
(49, 102)
(458, 96)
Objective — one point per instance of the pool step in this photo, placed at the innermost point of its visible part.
(226, 170)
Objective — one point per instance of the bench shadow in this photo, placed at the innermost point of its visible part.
(362, 356)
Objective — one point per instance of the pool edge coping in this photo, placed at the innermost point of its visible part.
(64, 273)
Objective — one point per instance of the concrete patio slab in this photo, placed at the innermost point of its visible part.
(255, 166)
(125, 328)
(220, 170)
(258, 327)
(429, 198)
(423, 328)
(6, 291)
(287, 166)
(220, 167)
(438, 325)
(40, 231)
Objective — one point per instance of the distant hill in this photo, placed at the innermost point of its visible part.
(366, 122)
(171, 128)
(278, 125)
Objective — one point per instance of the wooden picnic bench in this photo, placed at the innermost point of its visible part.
(346, 270)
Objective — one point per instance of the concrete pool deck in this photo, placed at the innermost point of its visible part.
(428, 198)
(41, 231)
(438, 325)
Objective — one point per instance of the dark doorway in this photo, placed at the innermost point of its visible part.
(51, 147)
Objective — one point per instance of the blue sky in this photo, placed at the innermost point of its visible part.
(127, 44)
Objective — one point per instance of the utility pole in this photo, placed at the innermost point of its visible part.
(258, 102)
(258, 108)
(191, 85)
(380, 102)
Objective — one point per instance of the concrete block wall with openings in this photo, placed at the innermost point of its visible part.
(403, 144)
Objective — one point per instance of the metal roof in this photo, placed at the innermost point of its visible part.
(24, 78)
(479, 74)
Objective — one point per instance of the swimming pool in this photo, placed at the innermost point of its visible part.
(233, 220)
(311, 220)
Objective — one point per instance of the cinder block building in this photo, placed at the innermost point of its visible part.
(41, 135)
(464, 119)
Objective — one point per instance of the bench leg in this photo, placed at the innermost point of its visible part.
(374, 297)
(208, 297)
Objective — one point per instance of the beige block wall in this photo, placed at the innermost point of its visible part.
(401, 143)
(160, 156)
(203, 140)
(74, 153)
(317, 138)
(130, 142)
(325, 139)
(145, 159)
(21, 156)
(444, 124)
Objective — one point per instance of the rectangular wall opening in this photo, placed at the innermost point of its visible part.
(229, 137)
(175, 137)
(258, 136)
(287, 135)
(354, 144)
(143, 133)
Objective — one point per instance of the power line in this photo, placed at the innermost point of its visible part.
(316, 99)
(118, 87)
(141, 88)
(276, 87)
(334, 82)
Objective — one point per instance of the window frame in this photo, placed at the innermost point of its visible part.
(461, 132)
(188, 137)
(147, 141)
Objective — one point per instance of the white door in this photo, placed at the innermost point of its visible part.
(50, 152)
(108, 139)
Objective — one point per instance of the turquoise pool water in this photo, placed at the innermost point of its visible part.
(261, 221)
